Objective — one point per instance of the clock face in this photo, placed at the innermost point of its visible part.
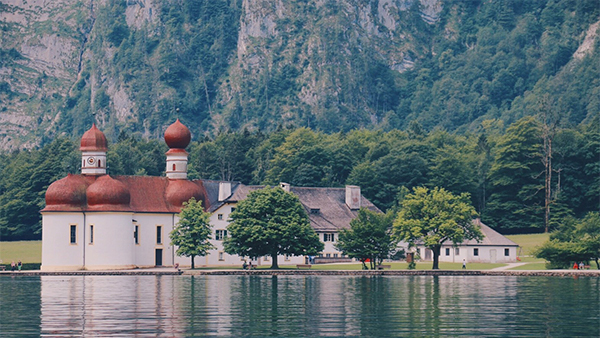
(91, 160)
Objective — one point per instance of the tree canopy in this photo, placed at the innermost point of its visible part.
(271, 222)
(432, 217)
(369, 237)
(192, 233)
(573, 241)
(501, 167)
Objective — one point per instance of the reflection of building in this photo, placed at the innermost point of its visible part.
(494, 248)
(108, 306)
(98, 221)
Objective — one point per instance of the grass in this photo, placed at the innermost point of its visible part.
(25, 251)
(528, 242)
(358, 266)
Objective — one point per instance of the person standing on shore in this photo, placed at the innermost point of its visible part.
(464, 264)
(19, 265)
(12, 266)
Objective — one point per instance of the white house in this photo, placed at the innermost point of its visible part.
(493, 248)
(97, 221)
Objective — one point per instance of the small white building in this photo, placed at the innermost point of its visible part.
(493, 248)
(95, 221)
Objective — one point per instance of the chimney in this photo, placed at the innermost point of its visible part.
(285, 186)
(353, 197)
(224, 190)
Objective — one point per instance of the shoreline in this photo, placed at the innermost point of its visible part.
(291, 272)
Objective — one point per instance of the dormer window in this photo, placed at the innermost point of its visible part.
(315, 210)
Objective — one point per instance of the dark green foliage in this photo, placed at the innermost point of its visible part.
(23, 183)
(434, 217)
(192, 232)
(516, 179)
(574, 241)
(501, 170)
(369, 237)
(271, 222)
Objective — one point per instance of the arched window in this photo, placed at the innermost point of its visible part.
(99, 164)
(173, 166)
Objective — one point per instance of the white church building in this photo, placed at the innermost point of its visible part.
(95, 221)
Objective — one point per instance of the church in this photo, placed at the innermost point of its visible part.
(95, 221)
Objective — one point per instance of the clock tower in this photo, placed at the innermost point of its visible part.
(93, 152)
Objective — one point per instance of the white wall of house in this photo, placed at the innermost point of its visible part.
(58, 253)
(112, 246)
(485, 254)
(149, 225)
(329, 239)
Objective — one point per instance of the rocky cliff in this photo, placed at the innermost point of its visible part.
(133, 66)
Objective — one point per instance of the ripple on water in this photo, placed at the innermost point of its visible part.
(180, 306)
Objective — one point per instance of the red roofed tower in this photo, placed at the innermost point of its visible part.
(177, 137)
(93, 152)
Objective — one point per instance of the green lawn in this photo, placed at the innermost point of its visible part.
(394, 266)
(528, 242)
(25, 251)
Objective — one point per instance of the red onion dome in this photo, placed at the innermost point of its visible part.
(177, 135)
(107, 191)
(179, 191)
(93, 140)
(68, 192)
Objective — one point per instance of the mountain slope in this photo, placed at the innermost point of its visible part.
(133, 66)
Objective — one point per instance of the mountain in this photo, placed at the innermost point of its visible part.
(332, 65)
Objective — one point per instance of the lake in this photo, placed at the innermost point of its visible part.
(183, 306)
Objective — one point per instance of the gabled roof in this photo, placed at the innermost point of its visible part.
(212, 193)
(326, 207)
(490, 237)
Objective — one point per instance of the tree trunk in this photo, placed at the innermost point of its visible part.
(192, 262)
(275, 265)
(548, 163)
(436, 256)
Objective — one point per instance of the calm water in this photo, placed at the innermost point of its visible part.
(180, 306)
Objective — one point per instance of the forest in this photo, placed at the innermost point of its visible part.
(522, 178)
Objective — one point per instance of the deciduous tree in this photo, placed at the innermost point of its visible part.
(369, 237)
(192, 233)
(271, 222)
(433, 217)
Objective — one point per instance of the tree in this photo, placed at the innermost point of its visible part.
(369, 237)
(191, 234)
(270, 222)
(516, 179)
(434, 217)
(572, 241)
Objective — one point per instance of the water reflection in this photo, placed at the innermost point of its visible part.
(182, 306)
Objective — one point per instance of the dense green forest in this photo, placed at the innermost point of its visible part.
(502, 167)
(331, 66)
(500, 99)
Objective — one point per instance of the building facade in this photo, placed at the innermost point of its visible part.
(95, 221)
(493, 248)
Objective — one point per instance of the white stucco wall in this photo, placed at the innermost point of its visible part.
(486, 254)
(145, 250)
(112, 247)
(58, 254)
